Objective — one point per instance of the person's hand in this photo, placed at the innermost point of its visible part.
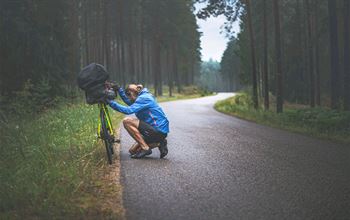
(106, 101)
(112, 85)
(115, 87)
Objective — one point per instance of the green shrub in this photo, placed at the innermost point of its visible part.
(190, 90)
(37, 97)
(41, 96)
(243, 99)
(22, 101)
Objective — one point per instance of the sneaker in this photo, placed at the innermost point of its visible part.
(141, 154)
(163, 148)
(132, 153)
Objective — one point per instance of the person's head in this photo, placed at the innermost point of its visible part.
(132, 91)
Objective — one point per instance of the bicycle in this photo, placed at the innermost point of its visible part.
(93, 79)
(105, 130)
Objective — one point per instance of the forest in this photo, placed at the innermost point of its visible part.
(299, 53)
(295, 50)
(44, 44)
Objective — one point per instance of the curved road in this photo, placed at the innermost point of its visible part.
(221, 167)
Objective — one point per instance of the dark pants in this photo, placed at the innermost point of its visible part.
(150, 134)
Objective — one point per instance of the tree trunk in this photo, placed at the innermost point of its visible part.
(252, 50)
(310, 53)
(156, 66)
(334, 52)
(160, 79)
(279, 74)
(131, 58)
(317, 57)
(300, 50)
(176, 73)
(346, 55)
(265, 68)
(86, 32)
(171, 66)
(106, 37)
(122, 44)
(143, 72)
(149, 62)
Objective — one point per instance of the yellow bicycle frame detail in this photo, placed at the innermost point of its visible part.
(109, 126)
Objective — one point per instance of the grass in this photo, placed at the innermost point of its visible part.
(53, 166)
(177, 96)
(318, 122)
(48, 161)
(188, 92)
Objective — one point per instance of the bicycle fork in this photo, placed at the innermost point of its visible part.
(104, 110)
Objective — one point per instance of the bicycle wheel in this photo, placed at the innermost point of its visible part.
(110, 136)
(109, 127)
(106, 137)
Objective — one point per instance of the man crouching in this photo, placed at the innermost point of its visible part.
(151, 126)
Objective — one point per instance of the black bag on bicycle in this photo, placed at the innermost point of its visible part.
(92, 80)
(92, 75)
(95, 94)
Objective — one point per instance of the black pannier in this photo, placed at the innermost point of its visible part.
(95, 94)
(92, 80)
(92, 75)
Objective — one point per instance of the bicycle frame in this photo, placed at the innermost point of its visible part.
(104, 108)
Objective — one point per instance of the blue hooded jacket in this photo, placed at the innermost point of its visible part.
(145, 108)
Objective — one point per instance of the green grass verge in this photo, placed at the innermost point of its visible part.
(188, 92)
(51, 163)
(48, 162)
(178, 96)
(318, 122)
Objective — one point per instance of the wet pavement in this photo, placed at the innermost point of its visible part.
(221, 167)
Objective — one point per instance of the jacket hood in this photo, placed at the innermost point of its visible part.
(144, 90)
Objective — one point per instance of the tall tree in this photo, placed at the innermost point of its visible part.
(253, 56)
(346, 55)
(311, 39)
(265, 68)
(230, 67)
(317, 54)
(334, 52)
(279, 74)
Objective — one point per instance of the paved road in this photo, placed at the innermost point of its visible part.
(221, 167)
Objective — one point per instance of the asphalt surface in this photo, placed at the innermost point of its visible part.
(221, 167)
